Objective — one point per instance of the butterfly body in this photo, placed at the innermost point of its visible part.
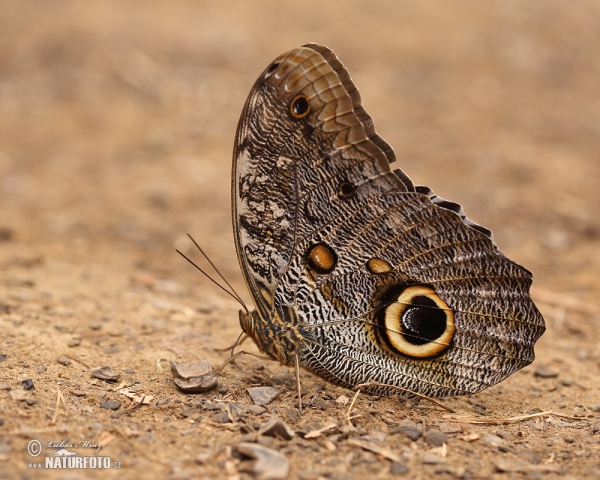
(352, 269)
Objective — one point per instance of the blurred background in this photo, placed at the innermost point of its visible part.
(117, 122)
(117, 118)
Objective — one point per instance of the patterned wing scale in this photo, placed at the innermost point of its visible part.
(362, 275)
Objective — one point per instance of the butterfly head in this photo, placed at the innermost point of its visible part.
(247, 321)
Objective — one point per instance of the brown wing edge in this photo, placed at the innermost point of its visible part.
(359, 110)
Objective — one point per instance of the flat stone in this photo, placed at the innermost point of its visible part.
(449, 428)
(111, 405)
(194, 377)
(275, 427)
(545, 372)
(19, 394)
(268, 463)
(263, 395)
(105, 373)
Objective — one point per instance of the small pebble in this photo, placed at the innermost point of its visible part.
(1, 422)
(398, 468)
(41, 369)
(411, 432)
(544, 372)
(429, 459)
(129, 371)
(111, 405)
(491, 440)
(18, 394)
(28, 384)
(263, 395)
(64, 361)
(221, 417)
(435, 438)
(74, 342)
(95, 326)
(453, 471)
(280, 378)
(202, 458)
(596, 408)
(2, 357)
(4, 386)
(256, 409)
(78, 393)
(319, 403)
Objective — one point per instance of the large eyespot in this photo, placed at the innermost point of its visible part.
(321, 258)
(299, 107)
(419, 323)
(346, 189)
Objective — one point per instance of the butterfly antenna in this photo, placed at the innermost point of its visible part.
(233, 295)
(219, 273)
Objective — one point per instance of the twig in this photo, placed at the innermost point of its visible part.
(351, 406)
(59, 399)
(520, 418)
(137, 448)
(405, 390)
(72, 357)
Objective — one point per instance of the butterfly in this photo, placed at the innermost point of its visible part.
(356, 274)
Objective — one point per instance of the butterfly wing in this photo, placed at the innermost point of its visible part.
(380, 280)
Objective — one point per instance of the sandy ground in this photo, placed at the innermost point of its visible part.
(116, 128)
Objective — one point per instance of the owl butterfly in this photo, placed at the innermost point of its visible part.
(357, 274)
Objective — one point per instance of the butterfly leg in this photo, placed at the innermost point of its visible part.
(242, 352)
(297, 369)
(241, 339)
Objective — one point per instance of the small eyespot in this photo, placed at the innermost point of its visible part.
(271, 69)
(419, 323)
(346, 189)
(376, 266)
(321, 258)
(299, 107)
